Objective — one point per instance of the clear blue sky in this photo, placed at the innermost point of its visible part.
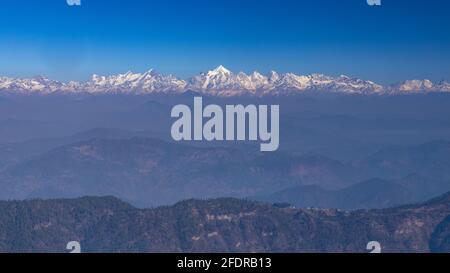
(399, 40)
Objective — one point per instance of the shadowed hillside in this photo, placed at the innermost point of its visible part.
(222, 225)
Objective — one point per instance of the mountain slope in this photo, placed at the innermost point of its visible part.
(440, 239)
(148, 171)
(372, 193)
(222, 225)
(429, 159)
(15, 152)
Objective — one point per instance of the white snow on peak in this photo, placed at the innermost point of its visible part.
(220, 70)
(416, 85)
(218, 82)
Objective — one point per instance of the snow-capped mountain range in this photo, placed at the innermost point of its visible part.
(217, 82)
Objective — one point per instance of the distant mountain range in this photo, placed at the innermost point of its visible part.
(218, 82)
(372, 193)
(106, 224)
(147, 172)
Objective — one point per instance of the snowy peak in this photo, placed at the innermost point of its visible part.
(150, 81)
(222, 81)
(444, 86)
(217, 82)
(220, 70)
(417, 86)
(273, 76)
(33, 85)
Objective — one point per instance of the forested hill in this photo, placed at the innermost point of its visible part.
(106, 224)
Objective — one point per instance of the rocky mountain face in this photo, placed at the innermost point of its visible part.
(223, 225)
(218, 82)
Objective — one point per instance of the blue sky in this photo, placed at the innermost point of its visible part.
(399, 40)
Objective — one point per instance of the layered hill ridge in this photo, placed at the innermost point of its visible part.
(106, 224)
(147, 172)
(218, 82)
